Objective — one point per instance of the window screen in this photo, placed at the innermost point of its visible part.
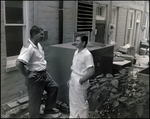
(14, 40)
(14, 12)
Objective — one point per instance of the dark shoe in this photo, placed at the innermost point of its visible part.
(51, 111)
(51, 116)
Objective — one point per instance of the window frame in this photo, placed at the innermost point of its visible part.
(10, 61)
(101, 12)
(130, 30)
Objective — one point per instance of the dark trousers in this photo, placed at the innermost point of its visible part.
(36, 83)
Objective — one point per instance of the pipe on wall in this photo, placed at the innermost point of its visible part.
(60, 21)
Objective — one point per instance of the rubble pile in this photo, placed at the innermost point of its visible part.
(20, 111)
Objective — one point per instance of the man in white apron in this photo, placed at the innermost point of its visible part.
(82, 69)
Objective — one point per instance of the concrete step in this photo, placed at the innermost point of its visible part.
(13, 104)
(18, 102)
(23, 100)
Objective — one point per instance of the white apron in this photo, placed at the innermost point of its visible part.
(79, 107)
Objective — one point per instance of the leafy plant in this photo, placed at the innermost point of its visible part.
(118, 96)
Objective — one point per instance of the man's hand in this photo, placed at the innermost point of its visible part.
(81, 81)
(90, 72)
(21, 67)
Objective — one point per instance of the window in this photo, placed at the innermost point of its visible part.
(85, 16)
(131, 20)
(15, 28)
(14, 40)
(101, 12)
(130, 29)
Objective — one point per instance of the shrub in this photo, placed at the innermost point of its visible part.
(118, 96)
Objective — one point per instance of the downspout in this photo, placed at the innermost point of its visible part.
(60, 21)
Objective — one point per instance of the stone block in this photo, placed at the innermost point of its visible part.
(23, 100)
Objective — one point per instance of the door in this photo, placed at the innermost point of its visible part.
(100, 32)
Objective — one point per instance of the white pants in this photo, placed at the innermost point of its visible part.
(79, 107)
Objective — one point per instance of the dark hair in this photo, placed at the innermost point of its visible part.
(35, 30)
(84, 38)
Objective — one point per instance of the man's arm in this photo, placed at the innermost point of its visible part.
(90, 72)
(20, 65)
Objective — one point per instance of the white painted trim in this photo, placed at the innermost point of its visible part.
(25, 20)
(11, 61)
(130, 28)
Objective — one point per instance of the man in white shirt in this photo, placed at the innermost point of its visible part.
(82, 69)
(32, 65)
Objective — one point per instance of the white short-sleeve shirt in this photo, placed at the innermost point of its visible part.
(33, 57)
(82, 61)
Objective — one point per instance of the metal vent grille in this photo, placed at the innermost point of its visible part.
(85, 16)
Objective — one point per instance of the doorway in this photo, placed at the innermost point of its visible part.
(100, 32)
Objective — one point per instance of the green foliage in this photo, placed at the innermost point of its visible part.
(118, 96)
